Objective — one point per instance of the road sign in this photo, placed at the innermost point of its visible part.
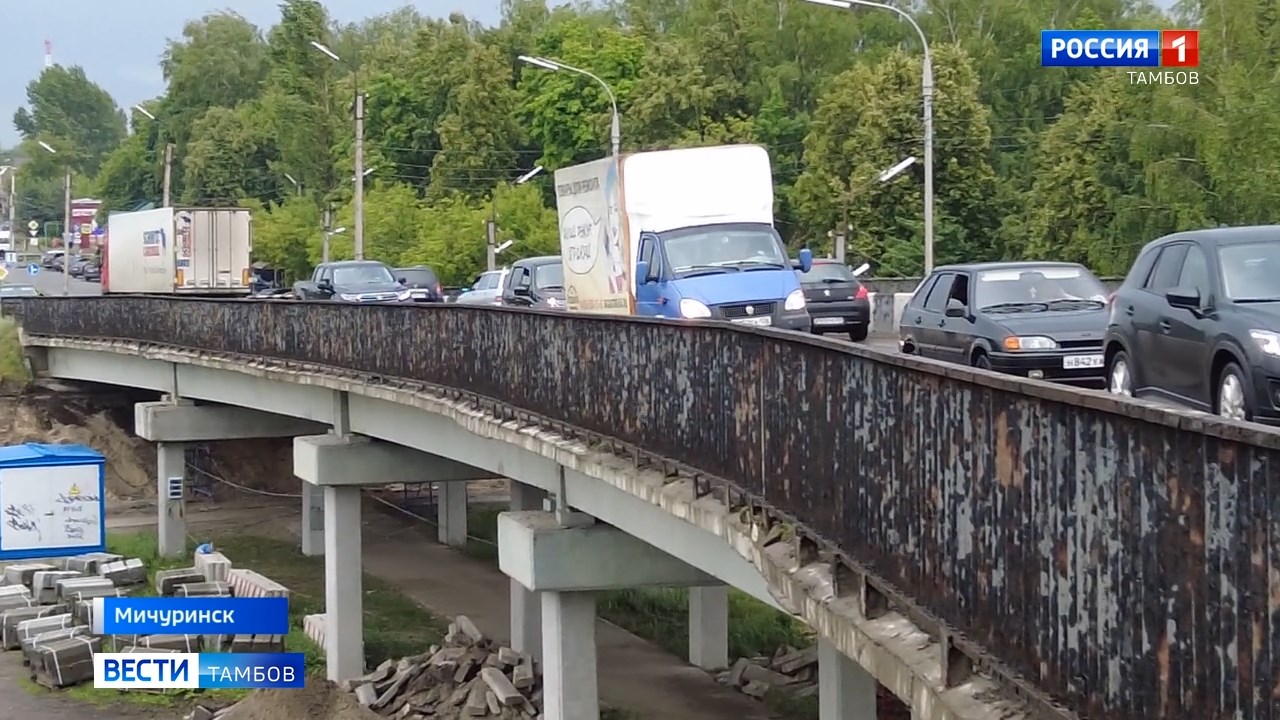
(33, 269)
(4, 272)
(33, 226)
(75, 229)
(99, 231)
(33, 232)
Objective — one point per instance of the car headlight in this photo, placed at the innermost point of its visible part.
(795, 301)
(404, 295)
(694, 309)
(1030, 342)
(349, 297)
(1268, 341)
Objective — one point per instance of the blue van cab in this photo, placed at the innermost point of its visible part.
(739, 272)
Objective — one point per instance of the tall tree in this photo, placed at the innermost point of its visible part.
(79, 115)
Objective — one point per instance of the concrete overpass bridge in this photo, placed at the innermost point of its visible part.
(984, 546)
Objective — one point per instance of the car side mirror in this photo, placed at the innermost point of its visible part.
(642, 273)
(806, 260)
(403, 281)
(1184, 298)
(521, 291)
(325, 284)
(956, 309)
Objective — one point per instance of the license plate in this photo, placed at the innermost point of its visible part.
(757, 321)
(828, 321)
(1080, 362)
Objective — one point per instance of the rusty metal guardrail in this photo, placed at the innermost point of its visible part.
(1123, 559)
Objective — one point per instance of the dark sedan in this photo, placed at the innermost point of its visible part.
(1037, 320)
(837, 302)
(1197, 322)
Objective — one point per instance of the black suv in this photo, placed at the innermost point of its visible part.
(837, 302)
(536, 282)
(1197, 322)
(1041, 320)
(422, 282)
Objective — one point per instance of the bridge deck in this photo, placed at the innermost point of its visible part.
(1118, 559)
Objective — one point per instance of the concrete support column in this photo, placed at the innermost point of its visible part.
(343, 583)
(709, 627)
(171, 473)
(845, 690)
(526, 610)
(451, 513)
(569, 656)
(312, 520)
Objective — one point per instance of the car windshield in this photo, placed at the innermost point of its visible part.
(826, 273)
(549, 277)
(417, 276)
(1251, 271)
(362, 275)
(725, 250)
(1044, 287)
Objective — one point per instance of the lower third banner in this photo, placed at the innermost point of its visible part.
(210, 671)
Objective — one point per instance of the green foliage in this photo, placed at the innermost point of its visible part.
(1067, 163)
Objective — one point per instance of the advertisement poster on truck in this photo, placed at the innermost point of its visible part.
(594, 243)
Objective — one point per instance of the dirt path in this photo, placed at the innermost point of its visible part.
(634, 674)
(20, 701)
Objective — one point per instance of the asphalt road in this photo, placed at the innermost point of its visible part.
(50, 282)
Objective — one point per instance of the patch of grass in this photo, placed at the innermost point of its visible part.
(661, 615)
(12, 366)
(394, 625)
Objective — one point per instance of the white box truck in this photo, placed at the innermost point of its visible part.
(178, 251)
(682, 233)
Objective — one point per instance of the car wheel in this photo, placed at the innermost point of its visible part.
(981, 361)
(858, 335)
(1232, 399)
(1120, 375)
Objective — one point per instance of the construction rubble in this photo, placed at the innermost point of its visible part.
(792, 670)
(46, 610)
(469, 676)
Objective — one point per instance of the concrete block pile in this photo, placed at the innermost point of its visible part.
(469, 676)
(791, 670)
(46, 611)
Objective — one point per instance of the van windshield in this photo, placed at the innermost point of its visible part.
(725, 250)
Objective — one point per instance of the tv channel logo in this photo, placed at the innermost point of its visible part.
(1120, 48)
(162, 671)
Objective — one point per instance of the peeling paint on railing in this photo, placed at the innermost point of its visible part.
(1122, 558)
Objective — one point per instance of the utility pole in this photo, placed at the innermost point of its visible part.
(66, 243)
(359, 195)
(168, 171)
(842, 236)
(328, 227)
(13, 207)
(491, 240)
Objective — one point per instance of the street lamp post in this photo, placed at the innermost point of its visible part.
(13, 203)
(615, 128)
(927, 96)
(885, 176)
(491, 236)
(358, 200)
(66, 227)
(168, 161)
(296, 184)
(327, 235)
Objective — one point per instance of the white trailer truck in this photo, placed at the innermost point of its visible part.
(178, 251)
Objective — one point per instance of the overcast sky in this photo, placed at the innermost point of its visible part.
(119, 42)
